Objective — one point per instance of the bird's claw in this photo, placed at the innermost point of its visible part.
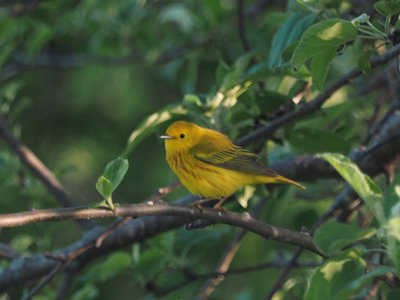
(198, 205)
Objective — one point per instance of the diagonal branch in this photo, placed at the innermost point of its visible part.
(316, 103)
(33, 163)
(371, 161)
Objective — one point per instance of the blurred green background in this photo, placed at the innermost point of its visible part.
(77, 77)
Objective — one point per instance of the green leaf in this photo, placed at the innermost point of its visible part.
(387, 8)
(22, 242)
(275, 19)
(392, 294)
(289, 32)
(38, 38)
(330, 114)
(150, 124)
(114, 264)
(104, 187)
(296, 88)
(151, 262)
(288, 52)
(178, 14)
(193, 104)
(257, 72)
(112, 176)
(115, 171)
(341, 277)
(10, 91)
(221, 71)
(5, 52)
(319, 67)
(167, 241)
(392, 198)
(268, 101)
(312, 140)
(236, 74)
(392, 213)
(393, 240)
(352, 287)
(331, 237)
(328, 279)
(87, 291)
(321, 37)
(360, 182)
(397, 25)
(363, 62)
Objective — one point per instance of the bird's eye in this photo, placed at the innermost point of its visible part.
(182, 136)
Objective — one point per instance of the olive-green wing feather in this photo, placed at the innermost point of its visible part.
(237, 159)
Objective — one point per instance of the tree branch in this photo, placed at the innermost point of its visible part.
(33, 163)
(24, 269)
(382, 150)
(316, 103)
(7, 252)
(164, 209)
(241, 29)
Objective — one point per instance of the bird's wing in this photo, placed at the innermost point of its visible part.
(232, 157)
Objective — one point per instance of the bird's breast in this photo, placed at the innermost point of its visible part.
(204, 179)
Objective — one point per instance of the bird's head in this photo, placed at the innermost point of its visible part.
(181, 136)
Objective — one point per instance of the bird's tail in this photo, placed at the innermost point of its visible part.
(281, 179)
(278, 179)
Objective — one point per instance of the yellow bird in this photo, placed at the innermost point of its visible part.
(208, 164)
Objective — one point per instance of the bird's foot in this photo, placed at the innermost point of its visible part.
(198, 206)
(218, 205)
(198, 203)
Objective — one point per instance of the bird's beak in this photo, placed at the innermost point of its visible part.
(166, 137)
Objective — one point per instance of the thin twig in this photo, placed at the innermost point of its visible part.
(281, 280)
(101, 237)
(276, 263)
(45, 280)
(66, 284)
(375, 128)
(222, 267)
(373, 291)
(241, 29)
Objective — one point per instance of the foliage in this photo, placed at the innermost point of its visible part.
(79, 78)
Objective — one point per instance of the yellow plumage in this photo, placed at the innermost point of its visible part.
(209, 164)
